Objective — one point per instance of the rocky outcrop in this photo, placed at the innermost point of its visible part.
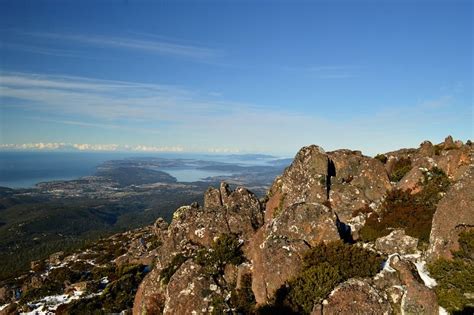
(314, 201)
(225, 211)
(454, 214)
(354, 297)
(277, 249)
(356, 181)
(303, 181)
(237, 212)
(344, 179)
(453, 157)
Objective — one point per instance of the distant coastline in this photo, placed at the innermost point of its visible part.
(26, 169)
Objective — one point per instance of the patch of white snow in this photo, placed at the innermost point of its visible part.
(424, 275)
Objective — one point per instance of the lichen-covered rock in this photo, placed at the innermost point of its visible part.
(346, 178)
(160, 226)
(277, 249)
(454, 213)
(274, 260)
(413, 179)
(151, 295)
(455, 161)
(312, 223)
(397, 242)
(355, 297)
(238, 212)
(55, 259)
(188, 291)
(225, 212)
(355, 182)
(303, 181)
(212, 198)
(427, 149)
(418, 299)
(453, 157)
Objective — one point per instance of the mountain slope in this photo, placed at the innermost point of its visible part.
(338, 232)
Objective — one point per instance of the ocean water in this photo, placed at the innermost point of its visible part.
(25, 169)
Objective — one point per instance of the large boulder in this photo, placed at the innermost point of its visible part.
(413, 179)
(397, 242)
(401, 282)
(345, 179)
(355, 182)
(277, 249)
(303, 181)
(188, 291)
(454, 214)
(225, 211)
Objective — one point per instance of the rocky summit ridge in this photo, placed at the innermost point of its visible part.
(337, 233)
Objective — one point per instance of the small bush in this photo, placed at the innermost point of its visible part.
(456, 277)
(400, 169)
(414, 213)
(169, 270)
(243, 299)
(116, 297)
(36, 294)
(324, 267)
(225, 250)
(312, 286)
(438, 148)
(349, 261)
(381, 157)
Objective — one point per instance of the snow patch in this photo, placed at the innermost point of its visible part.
(104, 280)
(386, 266)
(50, 303)
(424, 275)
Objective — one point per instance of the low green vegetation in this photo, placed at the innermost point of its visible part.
(243, 298)
(382, 158)
(34, 228)
(412, 212)
(225, 250)
(324, 267)
(455, 278)
(400, 169)
(173, 266)
(116, 297)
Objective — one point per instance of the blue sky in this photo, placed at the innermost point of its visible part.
(234, 76)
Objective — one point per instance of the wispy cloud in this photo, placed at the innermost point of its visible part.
(100, 99)
(150, 45)
(48, 51)
(158, 116)
(328, 71)
(53, 146)
(111, 147)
